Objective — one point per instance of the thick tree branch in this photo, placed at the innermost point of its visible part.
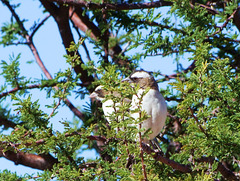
(236, 19)
(41, 162)
(6, 123)
(61, 16)
(156, 155)
(75, 111)
(227, 174)
(83, 22)
(115, 6)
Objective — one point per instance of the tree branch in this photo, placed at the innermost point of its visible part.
(233, 15)
(3, 94)
(173, 76)
(105, 36)
(227, 173)
(113, 6)
(198, 123)
(158, 157)
(83, 43)
(66, 101)
(83, 22)
(28, 38)
(208, 8)
(61, 16)
(75, 111)
(39, 25)
(41, 162)
(6, 123)
(236, 19)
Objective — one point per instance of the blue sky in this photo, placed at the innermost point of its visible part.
(51, 50)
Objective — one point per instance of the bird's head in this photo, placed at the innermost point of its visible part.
(143, 78)
(99, 93)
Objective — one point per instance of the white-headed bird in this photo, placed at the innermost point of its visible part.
(149, 99)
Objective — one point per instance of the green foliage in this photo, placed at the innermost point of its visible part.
(202, 128)
(7, 175)
(31, 115)
(10, 33)
(11, 71)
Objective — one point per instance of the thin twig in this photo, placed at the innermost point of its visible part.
(225, 23)
(3, 94)
(197, 121)
(39, 25)
(105, 34)
(83, 42)
(173, 76)
(54, 109)
(141, 153)
(125, 48)
(208, 8)
(140, 138)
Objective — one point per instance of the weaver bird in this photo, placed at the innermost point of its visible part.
(149, 99)
(108, 105)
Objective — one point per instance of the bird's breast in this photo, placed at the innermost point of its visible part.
(154, 105)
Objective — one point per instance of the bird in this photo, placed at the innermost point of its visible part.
(108, 105)
(149, 99)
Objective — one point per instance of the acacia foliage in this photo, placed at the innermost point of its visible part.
(201, 138)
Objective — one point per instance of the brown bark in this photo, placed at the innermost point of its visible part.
(113, 6)
(61, 16)
(236, 19)
(6, 123)
(83, 22)
(227, 173)
(41, 162)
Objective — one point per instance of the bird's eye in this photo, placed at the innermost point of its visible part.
(134, 79)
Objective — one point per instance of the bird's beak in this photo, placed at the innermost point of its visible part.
(93, 95)
(127, 80)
